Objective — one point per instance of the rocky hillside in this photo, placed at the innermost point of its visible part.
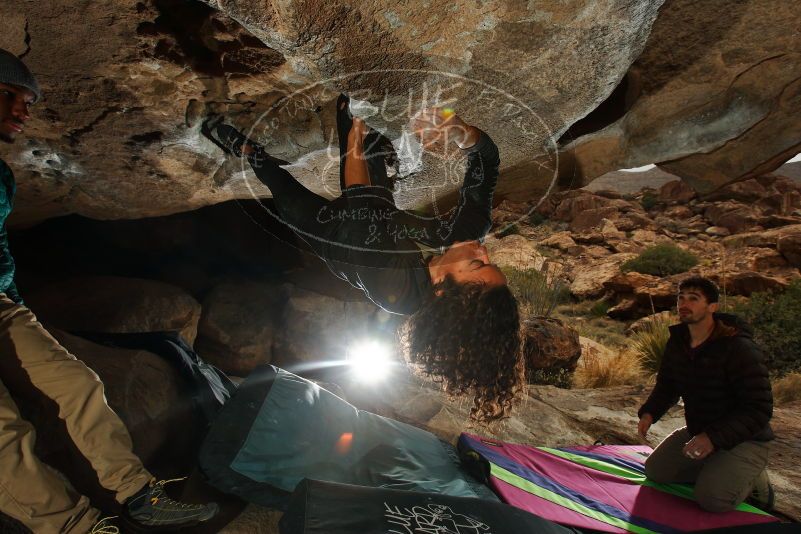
(746, 236)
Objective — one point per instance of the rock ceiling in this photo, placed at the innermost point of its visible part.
(569, 89)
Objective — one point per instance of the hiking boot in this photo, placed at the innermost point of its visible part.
(151, 509)
(105, 526)
(762, 496)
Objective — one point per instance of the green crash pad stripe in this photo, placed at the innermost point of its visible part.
(529, 487)
(680, 490)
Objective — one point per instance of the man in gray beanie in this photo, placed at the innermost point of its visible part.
(14, 72)
(30, 491)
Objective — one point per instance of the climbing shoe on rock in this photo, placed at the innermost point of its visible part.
(225, 136)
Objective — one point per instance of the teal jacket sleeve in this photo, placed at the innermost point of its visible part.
(7, 268)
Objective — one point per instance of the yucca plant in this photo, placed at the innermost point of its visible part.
(600, 308)
(649, 342)
(537, 293)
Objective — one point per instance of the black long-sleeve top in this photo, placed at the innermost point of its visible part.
(723, 381)
(375, 245)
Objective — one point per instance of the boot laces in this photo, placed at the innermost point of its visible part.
(159, 496)
(105, 527)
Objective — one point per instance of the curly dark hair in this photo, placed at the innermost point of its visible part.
(467, 336)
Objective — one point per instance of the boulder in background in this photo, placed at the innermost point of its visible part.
(116, 305)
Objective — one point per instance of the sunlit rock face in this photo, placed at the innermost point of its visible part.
(714, 97)
(127, 84)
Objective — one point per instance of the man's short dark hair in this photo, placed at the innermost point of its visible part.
(704, 285)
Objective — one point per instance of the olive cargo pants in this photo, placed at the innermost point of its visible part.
(722, 480)
(30, 491)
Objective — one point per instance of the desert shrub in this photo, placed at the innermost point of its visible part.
(777, 329)
(560, 378)
(509, 230)
(787, 389)
(649, 200)
(600, 308)
(537, 293)
(604, 370)
(649, 342)
(536, 218)
(604, 330)
(663, 259)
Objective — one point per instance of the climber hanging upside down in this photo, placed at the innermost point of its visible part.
(463, 324)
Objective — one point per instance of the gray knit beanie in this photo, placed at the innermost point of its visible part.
(14, 72)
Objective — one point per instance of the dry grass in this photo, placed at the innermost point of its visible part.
(604, 330)
(787, 389)
(537, 293)
(603, 370)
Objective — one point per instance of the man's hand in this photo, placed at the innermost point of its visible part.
(699, 447)
(645, 423)
(438, 126)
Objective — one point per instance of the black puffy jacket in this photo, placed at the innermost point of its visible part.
(723, 381)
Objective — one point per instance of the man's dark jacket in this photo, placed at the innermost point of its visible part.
(723, 381)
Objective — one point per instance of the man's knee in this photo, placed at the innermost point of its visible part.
(652, 470)
(659, 470)
(717, 497)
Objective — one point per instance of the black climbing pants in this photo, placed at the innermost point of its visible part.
(300, 208)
